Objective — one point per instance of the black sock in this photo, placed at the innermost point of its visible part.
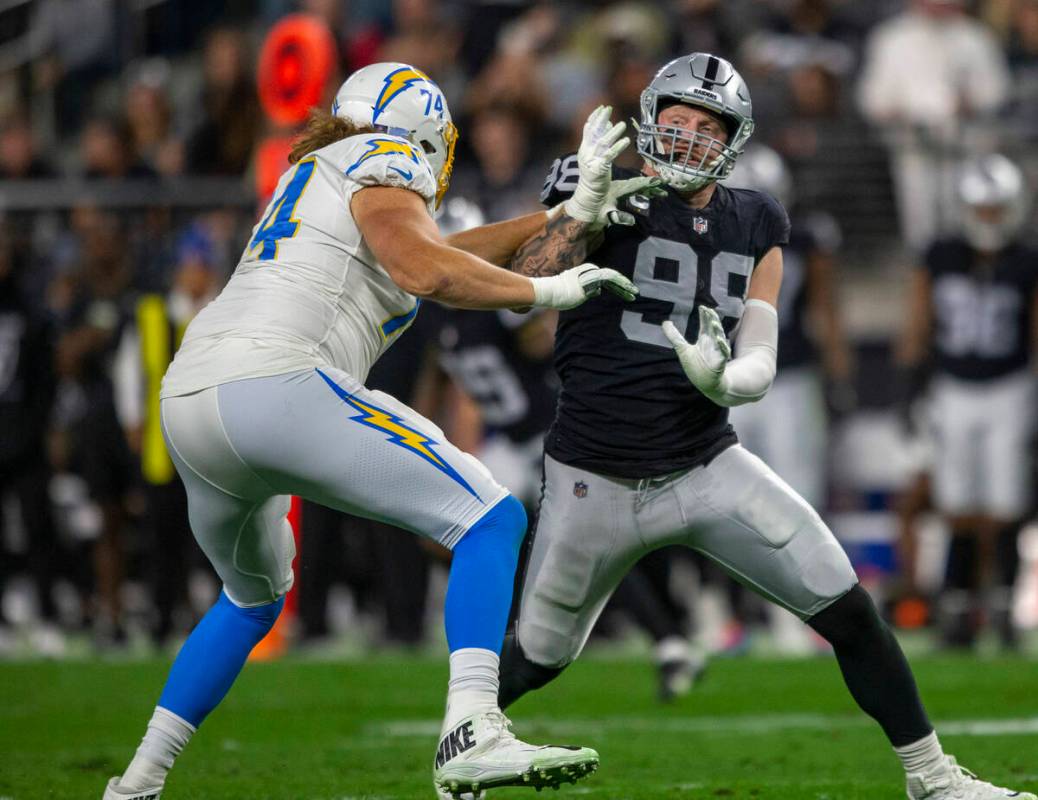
(873, 666)
(519, 675)
(957, 606)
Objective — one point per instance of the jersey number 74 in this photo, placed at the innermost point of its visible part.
(279, 223)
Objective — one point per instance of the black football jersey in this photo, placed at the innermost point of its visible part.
(809, 234)
(483, 352)
(982, 310)
(626, 407)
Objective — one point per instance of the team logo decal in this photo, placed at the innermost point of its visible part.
(385, 146)
(399, 432)
(397, 81)
(580, 489)
(700, 225)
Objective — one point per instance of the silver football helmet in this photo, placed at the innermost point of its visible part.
(994, 201)
(761, 168)
(458, 214)
(709, 82)
(403, 101)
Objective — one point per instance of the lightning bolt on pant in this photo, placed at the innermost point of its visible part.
(243, 448)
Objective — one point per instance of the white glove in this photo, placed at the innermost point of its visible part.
(571, 288)
(704, 361)
(610, 215)
(599, 147)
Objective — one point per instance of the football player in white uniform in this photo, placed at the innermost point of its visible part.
(266, 399)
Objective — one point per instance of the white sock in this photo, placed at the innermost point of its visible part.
(672, 648)
(473, 683)
(924, 756)
(166, 736)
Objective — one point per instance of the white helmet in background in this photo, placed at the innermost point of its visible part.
(761, 168)
(458, 214)
(402, 101)
(994, 201)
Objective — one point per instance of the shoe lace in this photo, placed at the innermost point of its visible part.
(960, 780)
(500, 724)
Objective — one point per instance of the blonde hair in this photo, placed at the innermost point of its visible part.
(323, 129)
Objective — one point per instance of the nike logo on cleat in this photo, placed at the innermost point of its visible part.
(457, 741)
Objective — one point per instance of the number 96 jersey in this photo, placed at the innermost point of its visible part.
(626, 407)
(308, 291)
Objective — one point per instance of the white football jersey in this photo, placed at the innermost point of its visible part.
(308, 292)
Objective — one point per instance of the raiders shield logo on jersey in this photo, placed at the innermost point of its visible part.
(700, 225)
(580, 489)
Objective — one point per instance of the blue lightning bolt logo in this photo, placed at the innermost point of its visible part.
(398, 432)
(397, 81)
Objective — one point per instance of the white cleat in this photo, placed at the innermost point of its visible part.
(953, 782)
(480, 752)
(114, 792)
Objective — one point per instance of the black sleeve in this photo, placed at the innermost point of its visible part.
(561, 180)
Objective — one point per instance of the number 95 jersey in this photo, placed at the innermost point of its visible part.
(626, 407)
(308, 291)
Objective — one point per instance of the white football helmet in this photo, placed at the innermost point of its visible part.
(762, 169)
(703, 80)
(403, 101)
(994, 201)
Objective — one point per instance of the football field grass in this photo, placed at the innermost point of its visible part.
(761, 729)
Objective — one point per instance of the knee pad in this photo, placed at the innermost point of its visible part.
(846, 620)
(519, 675)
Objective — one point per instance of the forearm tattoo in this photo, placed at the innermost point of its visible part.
(562, 244)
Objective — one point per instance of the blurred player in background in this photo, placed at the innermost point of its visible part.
(973, 322)
(265, 399)
(147, 345)
(787, 428)
(641, 453)
(27, 387)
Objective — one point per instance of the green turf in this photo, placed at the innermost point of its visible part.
(294, 729)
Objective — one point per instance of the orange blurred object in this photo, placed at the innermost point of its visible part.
(912, 612)
(296, 61)
(271, 162)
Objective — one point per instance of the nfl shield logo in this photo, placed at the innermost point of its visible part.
(580, 489)
(700, 225)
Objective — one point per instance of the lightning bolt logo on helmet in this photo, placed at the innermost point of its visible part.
(400, 100)
(397, 81)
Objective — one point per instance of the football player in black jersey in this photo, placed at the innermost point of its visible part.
(974, 317)
(502, 362)
(641, 453)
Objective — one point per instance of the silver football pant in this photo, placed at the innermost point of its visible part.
(983, 445)
(592, 528)
(243, 448)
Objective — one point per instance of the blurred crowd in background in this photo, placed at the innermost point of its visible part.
(129, 134)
